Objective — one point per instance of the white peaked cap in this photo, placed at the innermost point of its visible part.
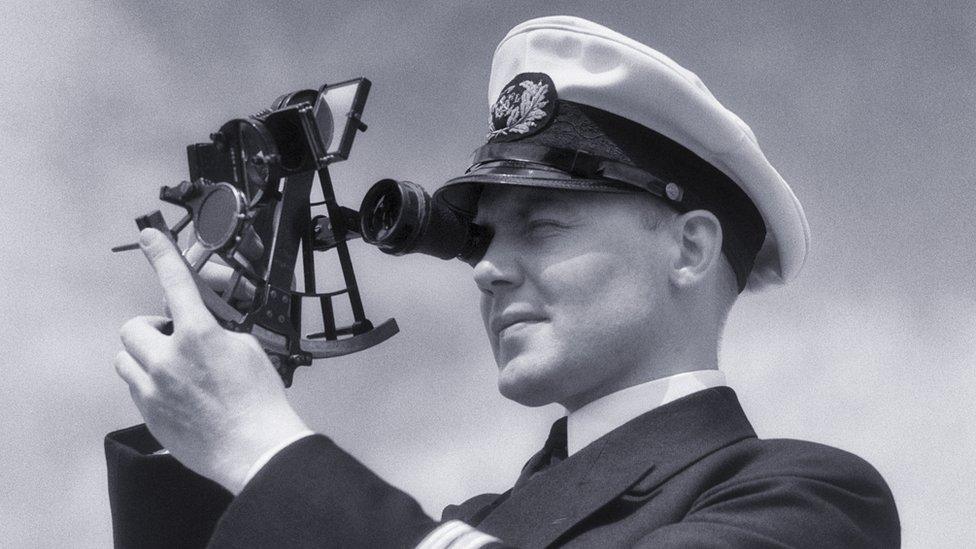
(595, 66)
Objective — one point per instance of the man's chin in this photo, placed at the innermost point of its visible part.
(526, 386)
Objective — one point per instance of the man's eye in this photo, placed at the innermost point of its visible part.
(541, 226)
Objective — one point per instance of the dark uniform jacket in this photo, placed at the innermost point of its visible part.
(690, 473)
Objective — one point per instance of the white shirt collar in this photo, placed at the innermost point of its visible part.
(611, 411)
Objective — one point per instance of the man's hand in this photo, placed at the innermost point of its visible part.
(209, 395)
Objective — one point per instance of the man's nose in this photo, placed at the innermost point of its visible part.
(499, 268)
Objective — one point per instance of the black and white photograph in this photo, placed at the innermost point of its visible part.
(450, 275)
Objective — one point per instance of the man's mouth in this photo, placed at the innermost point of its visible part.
(510, 322)
(517, 326)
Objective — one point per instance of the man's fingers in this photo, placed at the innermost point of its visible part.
(218, 277)
(129, 370)
(156, 321)
(179, 288)
(142, 337)
(162, 324)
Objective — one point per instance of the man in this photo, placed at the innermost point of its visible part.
(629, 209)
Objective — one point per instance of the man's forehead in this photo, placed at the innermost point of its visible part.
(517, 201)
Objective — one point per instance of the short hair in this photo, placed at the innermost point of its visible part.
(659, 211)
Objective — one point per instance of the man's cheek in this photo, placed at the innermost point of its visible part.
(574, 279)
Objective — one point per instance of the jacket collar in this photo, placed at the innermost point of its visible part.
(650, 449)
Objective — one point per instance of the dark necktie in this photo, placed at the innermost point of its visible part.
(552, 453)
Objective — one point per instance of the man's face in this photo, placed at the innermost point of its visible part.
(574, 287)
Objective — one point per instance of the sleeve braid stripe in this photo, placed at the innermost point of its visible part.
(455, 534)
(474, 540)
(444, 535)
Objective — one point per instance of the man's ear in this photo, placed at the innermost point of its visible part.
(698, 236)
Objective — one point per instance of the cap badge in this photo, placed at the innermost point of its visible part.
(523, 108)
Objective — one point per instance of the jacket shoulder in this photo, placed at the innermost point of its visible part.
(804, 459)
(786, 484)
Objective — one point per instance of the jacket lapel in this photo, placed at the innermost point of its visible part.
(477, 508)
(650, 448)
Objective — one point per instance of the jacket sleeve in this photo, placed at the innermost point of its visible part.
(313, 494)
(845, 505)
(156, 501)
(310, 494)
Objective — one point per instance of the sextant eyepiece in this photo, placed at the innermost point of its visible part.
(399, 217)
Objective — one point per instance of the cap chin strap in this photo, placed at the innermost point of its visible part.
(582, 164)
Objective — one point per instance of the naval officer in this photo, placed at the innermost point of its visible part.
(630, 210)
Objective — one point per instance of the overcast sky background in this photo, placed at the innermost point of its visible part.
(868, 110)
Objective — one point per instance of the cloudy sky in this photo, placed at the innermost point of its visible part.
(868, 111)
